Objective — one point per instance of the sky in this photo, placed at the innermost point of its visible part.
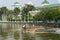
(9, 3)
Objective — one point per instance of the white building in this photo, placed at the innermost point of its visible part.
(16, 4)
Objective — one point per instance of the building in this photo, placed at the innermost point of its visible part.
(16, 4)
(46, 4)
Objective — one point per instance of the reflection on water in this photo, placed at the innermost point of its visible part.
(10, 32)
(49, 36)
(28, 36)
(16, 35)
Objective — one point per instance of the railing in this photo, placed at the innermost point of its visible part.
(39, 23)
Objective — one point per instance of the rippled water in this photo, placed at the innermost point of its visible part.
(11, 32)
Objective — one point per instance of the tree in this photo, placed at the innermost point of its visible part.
(16, 11)
(4, 10)
(48, 14)
(41, 15)
(9, 15)
(37, 17)
(52, 14)
(25, 11)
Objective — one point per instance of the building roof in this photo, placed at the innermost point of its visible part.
(45, 2)
(29, 3)
(51, 5)
(16, 3)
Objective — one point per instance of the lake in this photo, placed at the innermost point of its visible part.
(13, 32)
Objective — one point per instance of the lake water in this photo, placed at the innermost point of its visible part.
(13, 32)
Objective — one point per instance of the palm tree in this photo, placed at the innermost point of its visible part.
(9, 15)
(16, 12)
(4, 11)
(25, 11)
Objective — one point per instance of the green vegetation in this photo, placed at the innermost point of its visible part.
(45, 14)
(25, 11)
(50, 14)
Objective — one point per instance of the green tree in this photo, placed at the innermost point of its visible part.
(4, 10)
(53, 14)
(48, 14)
(16, 11)
(41, 15)
(9, 15)
(25, 11)
(37, 17)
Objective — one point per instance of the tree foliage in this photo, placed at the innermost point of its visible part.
(4, 10)
(25, 11)
(16, 11)
(48, 14)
